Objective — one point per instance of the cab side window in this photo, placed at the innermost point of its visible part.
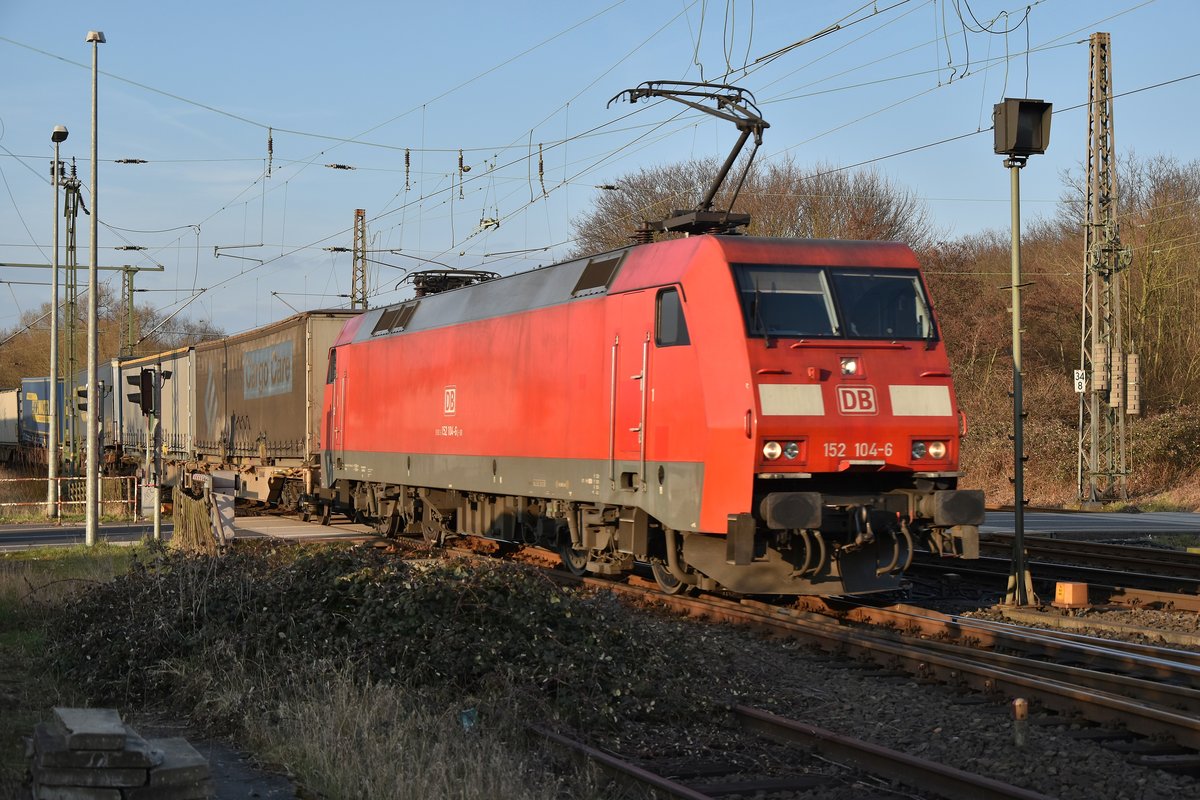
(670, 327)
(331, 375)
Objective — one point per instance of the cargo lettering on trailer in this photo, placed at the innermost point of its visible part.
(41, 408)
(267, 371)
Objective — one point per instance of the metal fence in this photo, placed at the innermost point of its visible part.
(26, 497)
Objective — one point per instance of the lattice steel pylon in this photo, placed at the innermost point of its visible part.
(71, 184)
(358, 274)
(1103, 467)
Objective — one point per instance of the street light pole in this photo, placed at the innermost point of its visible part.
(92, 428)
(58, 135)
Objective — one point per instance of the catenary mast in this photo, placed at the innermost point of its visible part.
(1108, 389)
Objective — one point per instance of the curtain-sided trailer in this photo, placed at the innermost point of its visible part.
(173, 409)
(257, 400)
(10, 407)
(33, 403)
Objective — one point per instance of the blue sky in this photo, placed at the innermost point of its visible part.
(396, 90)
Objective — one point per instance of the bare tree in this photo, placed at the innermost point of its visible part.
(25, 349)
(1159, 217)
(782, 199)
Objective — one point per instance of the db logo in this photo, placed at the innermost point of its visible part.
(856, 400)
(449, 401)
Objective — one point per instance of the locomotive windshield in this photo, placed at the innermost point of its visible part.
(851, 303)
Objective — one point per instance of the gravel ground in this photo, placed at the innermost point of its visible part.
(936, 722)
(1108, 623)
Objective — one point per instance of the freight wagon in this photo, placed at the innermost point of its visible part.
(10, 406)
(256, 404)
(174, 410)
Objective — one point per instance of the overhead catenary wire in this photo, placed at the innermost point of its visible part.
(427, 196)
(310, 134)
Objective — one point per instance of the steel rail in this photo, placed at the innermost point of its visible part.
(1052, 570)
(1103, 553)
(1129, 658)
(1169, 697)
(1126, 596)
(1150, 653)
(1100, 706)
(623, 767)
(1131, 680)
(915, 772)
(1102, 591)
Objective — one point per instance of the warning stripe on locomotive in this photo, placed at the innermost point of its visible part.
(806, 400)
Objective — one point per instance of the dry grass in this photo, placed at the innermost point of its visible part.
(32, 580)
(382, 741)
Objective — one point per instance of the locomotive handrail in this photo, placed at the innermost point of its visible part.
(642, 425)
(612, 417)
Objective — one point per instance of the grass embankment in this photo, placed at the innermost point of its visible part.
(34, 586)
(367, 676)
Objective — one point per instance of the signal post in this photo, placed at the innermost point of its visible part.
(1022, 129)
(149, 383)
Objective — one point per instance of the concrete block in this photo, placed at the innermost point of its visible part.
(63, 776)
(50, 750)
(90, 728)
(194, 790)
(74, 793)
(181, 763)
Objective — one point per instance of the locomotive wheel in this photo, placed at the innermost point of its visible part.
(667, 582)
(575, 561)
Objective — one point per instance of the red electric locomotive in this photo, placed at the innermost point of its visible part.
(759, 415)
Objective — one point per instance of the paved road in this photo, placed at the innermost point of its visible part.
(25, 536)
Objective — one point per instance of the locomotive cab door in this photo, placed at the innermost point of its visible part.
(335, 422)
(630, 322)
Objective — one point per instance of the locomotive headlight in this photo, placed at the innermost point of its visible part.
(849, 366)
(772, 450)
(791, 450)
(933, 450)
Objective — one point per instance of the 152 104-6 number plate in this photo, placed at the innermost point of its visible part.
(858, 449)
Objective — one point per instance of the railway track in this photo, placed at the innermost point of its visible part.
(707, 781)
(1105, 586)
(1150, 692)
(1102, 555)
